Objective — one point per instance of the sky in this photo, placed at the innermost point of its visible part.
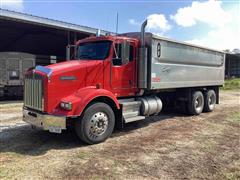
(214, 24)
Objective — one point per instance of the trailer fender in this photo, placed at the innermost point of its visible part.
(86, 95)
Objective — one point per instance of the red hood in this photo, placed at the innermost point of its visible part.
(84, 73)
(73, 65)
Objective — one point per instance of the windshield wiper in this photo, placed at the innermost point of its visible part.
(84, 56)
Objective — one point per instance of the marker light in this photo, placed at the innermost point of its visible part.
(66, 105)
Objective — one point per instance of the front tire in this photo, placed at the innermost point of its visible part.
(196, 103)
(210, 101)
(97, 123)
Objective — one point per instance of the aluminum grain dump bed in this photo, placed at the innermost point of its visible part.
(172, 64)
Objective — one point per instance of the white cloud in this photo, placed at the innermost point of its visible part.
(222, 37)
(209, 12)
(134, 22)
(158, 23)
(16, 5)
(221, 24)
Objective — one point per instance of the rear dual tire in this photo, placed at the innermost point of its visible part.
(210, 101)
(196, 103)
(199, 102)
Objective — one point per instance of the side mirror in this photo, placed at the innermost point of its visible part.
(125, 52)
(71, 52)
(68, 52)
(117, 61)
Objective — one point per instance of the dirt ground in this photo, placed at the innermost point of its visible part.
(171, 146)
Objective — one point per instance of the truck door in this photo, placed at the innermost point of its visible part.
(123, 74)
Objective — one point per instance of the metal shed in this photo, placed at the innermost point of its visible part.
(23, 35)
(232, 68)
(21, 32)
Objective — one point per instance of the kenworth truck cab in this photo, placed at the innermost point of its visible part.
(120, 79)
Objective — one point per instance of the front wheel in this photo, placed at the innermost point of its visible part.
(96, 124)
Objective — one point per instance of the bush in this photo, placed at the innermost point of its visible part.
(232, 84)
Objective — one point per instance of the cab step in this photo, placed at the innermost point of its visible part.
(131, 110)
(135, 118)
(130, 114)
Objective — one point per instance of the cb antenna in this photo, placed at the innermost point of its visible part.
(117, 25)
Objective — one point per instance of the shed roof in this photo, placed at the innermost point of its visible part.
(28, 18)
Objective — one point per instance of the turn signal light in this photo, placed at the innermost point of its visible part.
(66, 105)
(98, 86)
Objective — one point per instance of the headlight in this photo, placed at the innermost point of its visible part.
(14, 75)
(66, 105)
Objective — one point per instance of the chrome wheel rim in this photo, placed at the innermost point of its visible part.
(211, 101)
(198, 104)
(98, 124)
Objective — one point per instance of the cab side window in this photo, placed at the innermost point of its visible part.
(118, 59)
(131, 55)
(118, 48)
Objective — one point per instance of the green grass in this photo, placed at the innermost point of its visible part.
(232, 84)
(232, 176)
(5, 174)
(84, 155)
(235, 117)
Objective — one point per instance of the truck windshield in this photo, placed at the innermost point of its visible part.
(98, 50)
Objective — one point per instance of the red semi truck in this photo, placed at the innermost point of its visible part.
(120, 79)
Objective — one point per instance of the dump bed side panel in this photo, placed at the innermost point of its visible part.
(177, 65)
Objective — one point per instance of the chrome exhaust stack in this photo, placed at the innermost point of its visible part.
(144, 24)
(142, 64)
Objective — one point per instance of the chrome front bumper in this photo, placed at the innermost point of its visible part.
(50, 123)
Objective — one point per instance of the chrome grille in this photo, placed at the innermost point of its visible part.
(33, 91)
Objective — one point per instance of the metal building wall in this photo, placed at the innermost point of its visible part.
(232, 68)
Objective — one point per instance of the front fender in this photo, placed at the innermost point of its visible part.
(84, 96)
